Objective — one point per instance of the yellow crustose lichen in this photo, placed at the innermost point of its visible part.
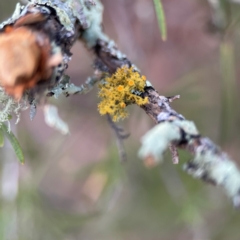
(119, 90)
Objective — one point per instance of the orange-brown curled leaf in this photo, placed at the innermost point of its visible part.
(29, 19)
(25, 59)
(19, 57)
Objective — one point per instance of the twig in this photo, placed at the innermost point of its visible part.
(120, 137)
(174, 152)
(67, 88)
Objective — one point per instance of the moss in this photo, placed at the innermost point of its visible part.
(119, 90)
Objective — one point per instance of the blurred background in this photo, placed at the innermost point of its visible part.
(74, 186)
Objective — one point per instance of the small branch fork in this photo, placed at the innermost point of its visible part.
(120, 137)
(71, 20)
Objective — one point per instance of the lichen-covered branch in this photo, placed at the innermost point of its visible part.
(55, 26)
(209, 164)
(41, 34)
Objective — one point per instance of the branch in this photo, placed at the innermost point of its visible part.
(210, 164)
(60, 24)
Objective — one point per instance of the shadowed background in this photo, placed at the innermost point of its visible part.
(74, 187)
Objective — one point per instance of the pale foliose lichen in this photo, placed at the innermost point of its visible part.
(209, 163)
(53, 120)
(94, 18)
(156, 141)
(217, 168)
(65, 87)
(65, 10)
(188, 127)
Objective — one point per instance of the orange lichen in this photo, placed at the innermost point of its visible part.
(122, 105)
(123, 88)
(131, 83)
(120, 88)
(25, 59)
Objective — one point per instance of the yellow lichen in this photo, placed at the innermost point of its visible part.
(123, 88)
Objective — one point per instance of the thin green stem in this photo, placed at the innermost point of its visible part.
(161, 18)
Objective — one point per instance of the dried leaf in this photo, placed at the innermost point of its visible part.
(19, 58)
(25, 57)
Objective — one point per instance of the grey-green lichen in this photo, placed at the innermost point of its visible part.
(53, 120)
(209, 163)
(63, 9)
(65, 87)
(217, 168)
(94, 30)
(156, 141)
(77, 12)
(8, 107)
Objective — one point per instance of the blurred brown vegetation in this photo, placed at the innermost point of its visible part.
(74, 187)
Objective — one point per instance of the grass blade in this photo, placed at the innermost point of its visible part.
(1, 138)
(161, 18)
(14, 142)
(228, 92)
